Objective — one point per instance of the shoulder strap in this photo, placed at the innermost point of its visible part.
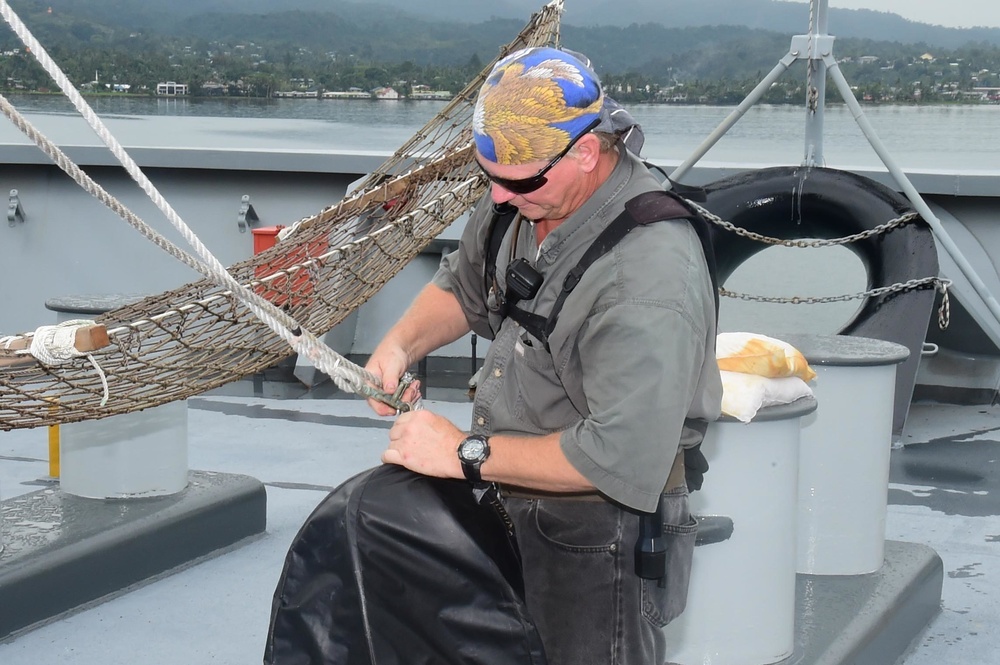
(653, 206)
(689, 192)
(503, 215)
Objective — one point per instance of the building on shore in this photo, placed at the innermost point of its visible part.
(171, 89)
(298, 93)
(385, 93)
(421, 91)
(351, 93)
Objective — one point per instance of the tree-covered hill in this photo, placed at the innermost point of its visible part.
(772, 15)
(391, 35)
(174, 17)
(257, 47)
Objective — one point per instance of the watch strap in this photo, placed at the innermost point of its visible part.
(472, 472)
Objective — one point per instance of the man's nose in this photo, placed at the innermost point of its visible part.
(499, 194)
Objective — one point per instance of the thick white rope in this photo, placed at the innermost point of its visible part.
(345, 374)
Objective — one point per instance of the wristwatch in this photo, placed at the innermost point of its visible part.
(472, 452)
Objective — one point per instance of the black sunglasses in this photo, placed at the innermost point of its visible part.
(532, 183)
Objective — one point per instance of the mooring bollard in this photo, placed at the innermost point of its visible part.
(844, 460)
(143, 453)
(741, 600)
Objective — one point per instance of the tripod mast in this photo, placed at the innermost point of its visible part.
(816, 48)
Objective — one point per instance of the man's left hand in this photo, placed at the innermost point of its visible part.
(695, 467)
(425, 442)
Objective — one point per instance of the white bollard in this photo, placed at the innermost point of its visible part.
(129, 455)
(844, 460)
(741, 600)
(137, 454)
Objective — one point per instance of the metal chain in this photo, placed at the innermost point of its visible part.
(944, 311)
(942, 285)
(900, 221)
(938, 283)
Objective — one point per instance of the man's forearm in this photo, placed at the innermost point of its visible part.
(427, 443)
(534, 462)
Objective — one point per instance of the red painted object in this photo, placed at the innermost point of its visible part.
(284, 290)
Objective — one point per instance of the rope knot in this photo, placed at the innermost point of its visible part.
(56, 345)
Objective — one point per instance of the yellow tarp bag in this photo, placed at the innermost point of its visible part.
(753, 353)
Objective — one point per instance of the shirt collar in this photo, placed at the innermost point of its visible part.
(581, 225)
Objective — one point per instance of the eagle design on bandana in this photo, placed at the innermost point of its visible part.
(533, 104)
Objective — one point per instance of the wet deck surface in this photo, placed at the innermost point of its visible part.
(943, 493)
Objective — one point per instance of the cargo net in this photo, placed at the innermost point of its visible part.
(204, 335)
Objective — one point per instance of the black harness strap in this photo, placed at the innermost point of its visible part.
(653, 206)
(689, 192)
(503, 215)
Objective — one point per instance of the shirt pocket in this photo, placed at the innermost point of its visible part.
(539, 398)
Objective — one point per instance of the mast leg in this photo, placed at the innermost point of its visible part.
(744, 106)
(911, 193)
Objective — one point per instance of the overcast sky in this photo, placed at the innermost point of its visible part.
(950, 13)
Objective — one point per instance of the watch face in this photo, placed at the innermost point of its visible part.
(472, 449)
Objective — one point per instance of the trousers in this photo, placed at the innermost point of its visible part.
(582, 592)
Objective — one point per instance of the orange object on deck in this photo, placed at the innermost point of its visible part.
(265, 238)
(284, 290)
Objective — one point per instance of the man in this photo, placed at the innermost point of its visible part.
(581, 431)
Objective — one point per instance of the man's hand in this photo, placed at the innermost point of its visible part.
(434, 319)
(426, 443)
(695, 467)
(389, 363)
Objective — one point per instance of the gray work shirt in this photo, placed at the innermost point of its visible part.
(632, 355)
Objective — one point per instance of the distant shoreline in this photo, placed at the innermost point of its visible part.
(246, 99)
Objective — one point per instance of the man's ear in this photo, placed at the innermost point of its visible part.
(588, 151)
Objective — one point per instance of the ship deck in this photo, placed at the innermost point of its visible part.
(942, 494)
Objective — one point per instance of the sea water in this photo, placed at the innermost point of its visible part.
(950, 137)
